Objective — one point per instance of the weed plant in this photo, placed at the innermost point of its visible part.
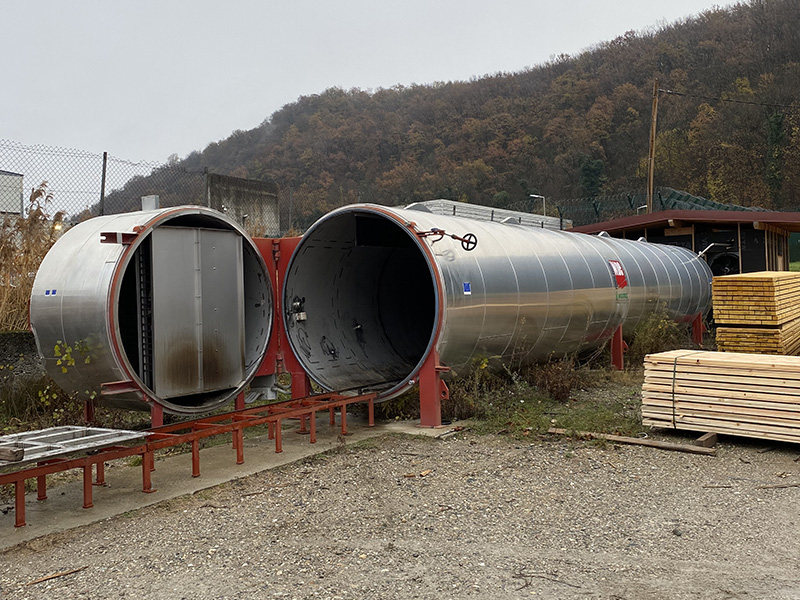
(656, 333)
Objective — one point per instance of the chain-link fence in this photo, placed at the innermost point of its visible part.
(45, 190)
(84, 184)
(78, 185)
(584, 211)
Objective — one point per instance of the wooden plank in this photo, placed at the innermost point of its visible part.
(707, 440)
(705, 379)
(752, 395)
(754, 431)
(716, 428)
(728, 393)
(659, 370)
(722, 404)
(725, 359)
(637, 441)
(682, 412)
(12, 454)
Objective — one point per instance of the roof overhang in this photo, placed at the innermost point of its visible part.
(789, 221)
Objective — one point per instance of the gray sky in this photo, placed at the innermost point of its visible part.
(147, 78)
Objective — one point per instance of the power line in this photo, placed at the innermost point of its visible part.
(726, 99)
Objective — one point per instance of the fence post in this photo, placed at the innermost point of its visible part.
(103, 185)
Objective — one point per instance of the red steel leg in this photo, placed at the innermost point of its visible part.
(617, 349)
(147, 484)
(301, 386)
(41, 487)
(270, 430)
(101, 474)
(156, 415)
(278, 440)
(343, 412)
(303, 428)
(239, 402)
(19, 503)
(371, 412)
(313, 428)
(195, 458)
(239, 435)
(87, 485)
(698, 329)
(332, 415)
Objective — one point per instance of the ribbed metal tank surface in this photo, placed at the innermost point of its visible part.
(371, 291)
(177, 310)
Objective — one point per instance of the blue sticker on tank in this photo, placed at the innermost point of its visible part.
(467, 288)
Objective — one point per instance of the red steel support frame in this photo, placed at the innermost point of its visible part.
(276, 253)
(188, 432)
(698, 329)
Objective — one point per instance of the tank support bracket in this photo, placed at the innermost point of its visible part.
(698, 329)
(432, 390)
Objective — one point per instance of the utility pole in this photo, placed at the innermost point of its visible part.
(652, 156)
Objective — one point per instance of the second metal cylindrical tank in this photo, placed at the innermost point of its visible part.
(371, 291)
(172, 307)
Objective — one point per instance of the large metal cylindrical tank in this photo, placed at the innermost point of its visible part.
(171, 306)
(371, 291)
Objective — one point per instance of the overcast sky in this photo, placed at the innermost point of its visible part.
(144, 79)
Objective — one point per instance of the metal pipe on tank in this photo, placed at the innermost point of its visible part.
(371, 291)
(171, 306)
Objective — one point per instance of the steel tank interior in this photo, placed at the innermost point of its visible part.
(367, 298)
(179, 313)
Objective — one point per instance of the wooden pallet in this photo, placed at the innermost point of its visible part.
(752, 395)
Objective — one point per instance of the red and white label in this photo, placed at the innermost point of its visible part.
(619, 273)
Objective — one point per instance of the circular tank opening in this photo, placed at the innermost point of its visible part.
(360, 303)
(194, 312)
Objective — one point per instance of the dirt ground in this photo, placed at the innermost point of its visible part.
(468, 516)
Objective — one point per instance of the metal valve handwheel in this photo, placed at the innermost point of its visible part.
(469, 242)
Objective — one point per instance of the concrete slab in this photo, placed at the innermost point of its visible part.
(173, 476)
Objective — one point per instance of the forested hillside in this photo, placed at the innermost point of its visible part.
(577, 126)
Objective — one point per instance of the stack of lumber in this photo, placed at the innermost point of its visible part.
(758, 312)
(752, 395)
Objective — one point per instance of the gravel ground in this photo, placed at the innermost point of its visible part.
(470, 516)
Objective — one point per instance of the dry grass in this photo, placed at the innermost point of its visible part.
(24, 241)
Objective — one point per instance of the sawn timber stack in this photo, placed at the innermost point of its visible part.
(758, 312)
(752, 395)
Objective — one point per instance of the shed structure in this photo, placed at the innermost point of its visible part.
(730, 241)
(11, 198)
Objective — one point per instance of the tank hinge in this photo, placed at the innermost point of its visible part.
(468, 242)
(117, 237)
(276, 251)
(113, 388)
